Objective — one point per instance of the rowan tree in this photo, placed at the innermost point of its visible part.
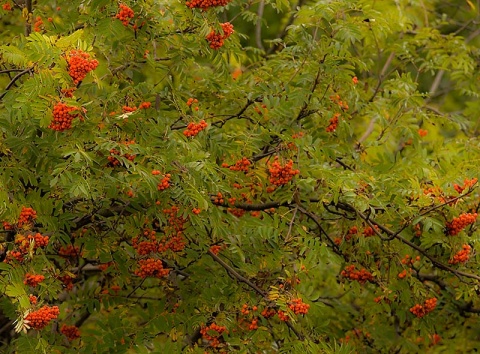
(232, 176)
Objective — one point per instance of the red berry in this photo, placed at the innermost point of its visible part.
(40, 318)
(125, 14)
(206, 4)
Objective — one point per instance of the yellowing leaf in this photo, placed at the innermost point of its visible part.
(472, 6)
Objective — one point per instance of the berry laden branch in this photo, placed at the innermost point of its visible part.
(395, 235)
(235, 275)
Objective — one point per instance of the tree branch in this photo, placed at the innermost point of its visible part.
(395, 235)
(235, 275)
(15, 78)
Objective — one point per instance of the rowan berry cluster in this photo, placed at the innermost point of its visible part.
(240, 165)
(467, 183)
(408, 260)
(417, 230)
(216, 39)
(432, 191)
(175, 222)
(218, 199)
(255, 213)
(291, 145)
(67, 282)
(7, 226)
(68, 92)
(403, 274)
(337, 99)
(434, 339)
(191, 101)
(333, 123)
(128, 109)
(215, 249)
(33, 279)
(164, 183)
(113, 161)
(212, 334)
(27, 215)
(239, 212)
(146, 247)
(104, 266)
(268, 312)
(7, 6)
(352, 231)
(115, 288)
(361, 275)
(150, 244)
(206, 4)
(125, 14)
(248, 322)
(283, 316)
(63, 117)
(194, 128)
(236, 212)
(298, 307)
(40, 318)
(33, 299)
(130, 193)
(151, 267)
(369, 231)
(11, 255)
(281, 175)
(145, 105)
(79, 65)
(246, 309)
(173, 231)
(422, 132)
(455, 226)
(435, 192)
(262, 110)
(253, 325)
(175, 243)
(24, 243)
(37, 26)
(196, 211)
(69, 251)
(461, 256)
(71, 332)
(421, 310)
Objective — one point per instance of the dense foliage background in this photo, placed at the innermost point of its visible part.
(239, 176)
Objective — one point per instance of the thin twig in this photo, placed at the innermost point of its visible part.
(382, 75)
(234, 274)
(15, 78)
(10, 71)
(290, 226)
